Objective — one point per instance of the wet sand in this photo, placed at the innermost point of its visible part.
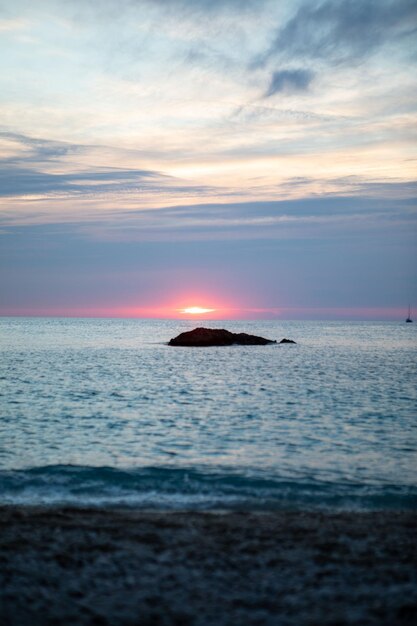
(68, 566)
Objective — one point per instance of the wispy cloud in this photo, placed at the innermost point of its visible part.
(329, 215)
(21, 174)
(38, 149)
(289, 81)
(341, 31)
(18, 181)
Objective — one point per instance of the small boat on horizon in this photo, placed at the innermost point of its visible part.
(409, 320)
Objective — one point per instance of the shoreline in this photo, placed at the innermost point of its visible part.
(63, 565)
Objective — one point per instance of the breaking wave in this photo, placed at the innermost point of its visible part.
(190, 489)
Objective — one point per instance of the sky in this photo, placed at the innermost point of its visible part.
(254, 157)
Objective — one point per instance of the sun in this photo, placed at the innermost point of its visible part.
(196, 310)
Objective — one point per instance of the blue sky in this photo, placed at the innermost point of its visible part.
(256, 156)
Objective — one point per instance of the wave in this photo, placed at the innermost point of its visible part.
(189, 489)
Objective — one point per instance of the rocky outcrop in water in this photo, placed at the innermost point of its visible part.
(287, 341)
(205, 337)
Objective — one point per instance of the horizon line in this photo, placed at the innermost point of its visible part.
(357, 314)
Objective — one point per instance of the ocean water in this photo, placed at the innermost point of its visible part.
(97, 412)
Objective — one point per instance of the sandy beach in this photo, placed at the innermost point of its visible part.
(69, 566)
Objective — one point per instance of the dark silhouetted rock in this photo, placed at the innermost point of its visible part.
(287, 341)
(200, 337)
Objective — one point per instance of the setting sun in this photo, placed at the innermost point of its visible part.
(197, 310)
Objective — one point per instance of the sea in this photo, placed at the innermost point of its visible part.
(103, 413)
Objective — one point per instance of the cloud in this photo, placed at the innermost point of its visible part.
(22, 182)
(323, 215)
(330, 218)
(122, 11)
(288, 81)
(206, 6)
(19, 181)
(343, 30)
(29, 173)
(254, 112)
(38, 149)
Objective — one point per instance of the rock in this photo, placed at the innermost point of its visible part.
(217, 337)
(287, 341)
